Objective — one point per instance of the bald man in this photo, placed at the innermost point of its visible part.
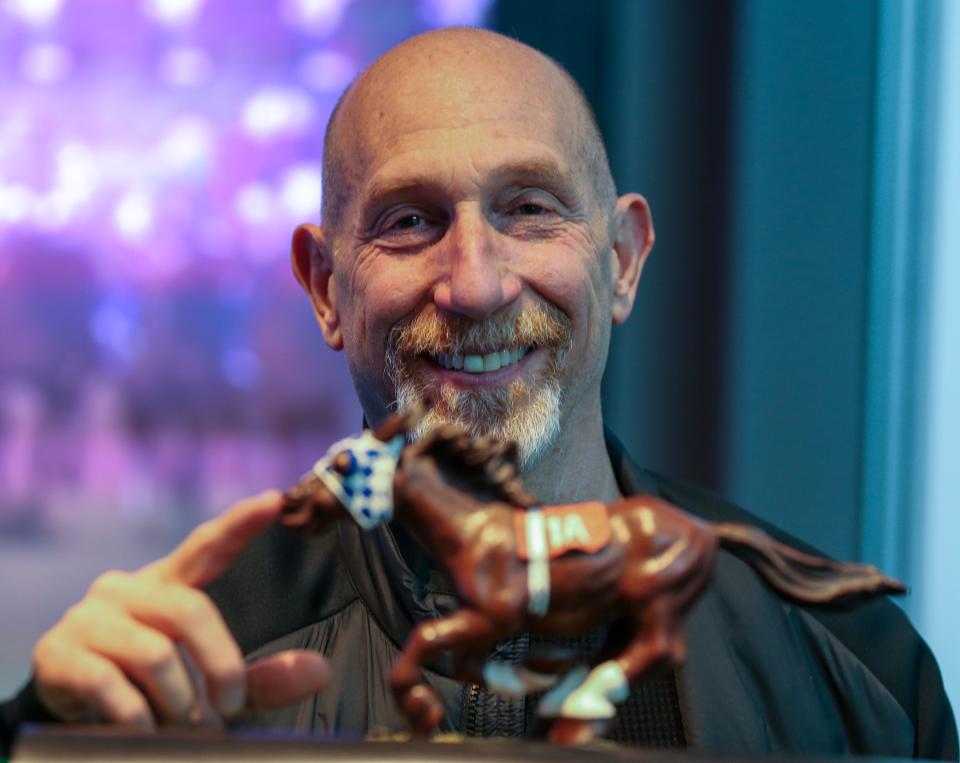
(472, 249)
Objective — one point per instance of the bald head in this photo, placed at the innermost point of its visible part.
(457, 75)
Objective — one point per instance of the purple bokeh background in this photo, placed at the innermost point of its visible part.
(158, 359)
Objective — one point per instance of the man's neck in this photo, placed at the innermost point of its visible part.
(576, 468)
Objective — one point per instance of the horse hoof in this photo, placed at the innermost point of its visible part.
(423, 710)
(573, 731)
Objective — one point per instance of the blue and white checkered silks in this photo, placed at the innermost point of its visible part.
(366, 491)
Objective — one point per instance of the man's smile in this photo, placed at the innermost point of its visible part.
(481, 362)
(496, 368)
(437, 351)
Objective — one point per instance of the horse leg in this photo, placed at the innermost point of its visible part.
(504, 678)
(544, 667)
(587, 693)
(587, 710)
(466, 630)
(515, 681)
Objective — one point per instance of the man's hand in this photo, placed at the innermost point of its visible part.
(150, 647)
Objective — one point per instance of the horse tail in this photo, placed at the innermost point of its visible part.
(800, 576)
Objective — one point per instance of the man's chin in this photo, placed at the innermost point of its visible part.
(528, 416)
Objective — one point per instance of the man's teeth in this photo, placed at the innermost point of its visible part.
(479, 364)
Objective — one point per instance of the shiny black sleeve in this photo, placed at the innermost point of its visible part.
(25, 707)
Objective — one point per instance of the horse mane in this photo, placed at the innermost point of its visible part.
(486, 465)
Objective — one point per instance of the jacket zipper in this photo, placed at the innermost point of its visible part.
(469, 725)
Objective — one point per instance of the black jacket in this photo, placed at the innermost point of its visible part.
(762, 675)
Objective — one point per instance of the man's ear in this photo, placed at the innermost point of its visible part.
(632, 241)
(312, 262)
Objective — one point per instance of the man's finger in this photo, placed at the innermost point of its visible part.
(191, 619)
(89, 686)
(284, 678)
(150, 658)
(206, 552)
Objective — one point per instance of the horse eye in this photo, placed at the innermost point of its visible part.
(345, 463)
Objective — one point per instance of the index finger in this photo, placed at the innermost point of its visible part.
(207, 551)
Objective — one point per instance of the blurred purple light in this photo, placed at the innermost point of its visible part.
(185, 67)
(37, 13)
(300, 191)
(240, 367)
(16, 201)
(327, 71)
(187, 146)
(46, 63)
(133, 215)
(453, 12)
(276, 111)
(255, 203)
(320, 17)
(172, 12)
(115, 328)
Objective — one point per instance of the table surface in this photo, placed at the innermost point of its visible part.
(65, 743)
(92, 743)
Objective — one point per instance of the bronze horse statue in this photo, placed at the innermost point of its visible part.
(517, 566)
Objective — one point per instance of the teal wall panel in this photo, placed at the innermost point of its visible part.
(801, 222)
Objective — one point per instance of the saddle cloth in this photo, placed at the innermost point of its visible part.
(560, 529)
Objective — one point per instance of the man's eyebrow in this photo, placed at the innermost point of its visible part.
(534, 169)
(388, 187)
(544, 170)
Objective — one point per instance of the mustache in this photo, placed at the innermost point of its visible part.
(539, 325)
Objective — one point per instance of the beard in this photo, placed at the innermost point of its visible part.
(528, 413)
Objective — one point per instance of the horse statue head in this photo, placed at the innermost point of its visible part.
(482, 467)
(357, 473)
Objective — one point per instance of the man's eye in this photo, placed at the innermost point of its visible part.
(530, 209)
(404, 229)
(408, 222)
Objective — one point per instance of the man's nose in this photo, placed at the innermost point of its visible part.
(478, 280)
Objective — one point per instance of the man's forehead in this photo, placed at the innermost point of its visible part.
(444, 102)
(433, 132)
